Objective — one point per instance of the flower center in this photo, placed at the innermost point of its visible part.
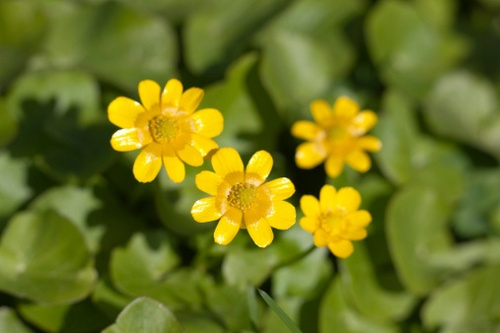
(333, 224)
(242, 196)
(163, 129)
(340, 140)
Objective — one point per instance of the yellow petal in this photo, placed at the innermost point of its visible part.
(359, 160)
(327, 197)
(190, 155)
(228, 227)
(205, 210)
(369, 143)
(321, 112)
(310, 206)
(171, 95)
(355, 234)
(309, 224)
(174, 166)
(342, 248)
(284, 215)
(259, 167)
(147, 165)
(208, 122)
(279, 189)
(345, 108)
(364, 121)
(261, 233)
(321, 238)
(123, 112)
(128, 139)
(203, 144)
(208, 182)
(306, 130)
(149, 92)
(348, 199)
(226, 161)
(359, 219)
(334, 166)
(309, 155)
(190, 100)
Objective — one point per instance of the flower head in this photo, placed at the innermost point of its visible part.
(335, 220)
(166, 126)
(241, 197)
(337, 136)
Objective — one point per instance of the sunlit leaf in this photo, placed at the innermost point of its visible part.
(145, 315)
(359, 280)
(466, 304)
(416, 227)
(13, 187)
(75, 204)
(409, 51)
(9, 322)
(43, 258)
(218, 33)
(336, 315)
(464, 106)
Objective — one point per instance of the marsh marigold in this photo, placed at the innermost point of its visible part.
(335, 220)
(242, 199)
(166, 127)
(337, 136)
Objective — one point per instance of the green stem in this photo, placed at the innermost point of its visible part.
(294, 259)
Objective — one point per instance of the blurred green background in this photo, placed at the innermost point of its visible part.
(85, 248)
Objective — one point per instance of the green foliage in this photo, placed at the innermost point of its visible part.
(85, 248)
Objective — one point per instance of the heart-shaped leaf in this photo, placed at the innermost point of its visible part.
(43, 258)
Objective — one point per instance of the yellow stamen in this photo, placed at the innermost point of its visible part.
(163, 129)
(242, 196)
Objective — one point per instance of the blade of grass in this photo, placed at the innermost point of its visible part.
(281, 314)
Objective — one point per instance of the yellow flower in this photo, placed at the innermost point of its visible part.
(166, 127)
(337, 136)
(335, 220)
(241, 198)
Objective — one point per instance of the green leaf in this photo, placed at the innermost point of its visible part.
(23, 25)
(219, 32)
(127, 45)
(416, 222)
(469, 303)
(69, 89)
(409, 52)
(145, 315)
(464, 106)
(230, 306)
(43, 258)
(65, 318)
(304, 278)
(291, 84)
(13, 187)
(243, 266)
(281, 314)
(145, 267)
(398, 131)
(336, 315)
(8, 125)
(474, 216)
(359, 280)
(9, 322)
(243, 121)
(75, 204)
